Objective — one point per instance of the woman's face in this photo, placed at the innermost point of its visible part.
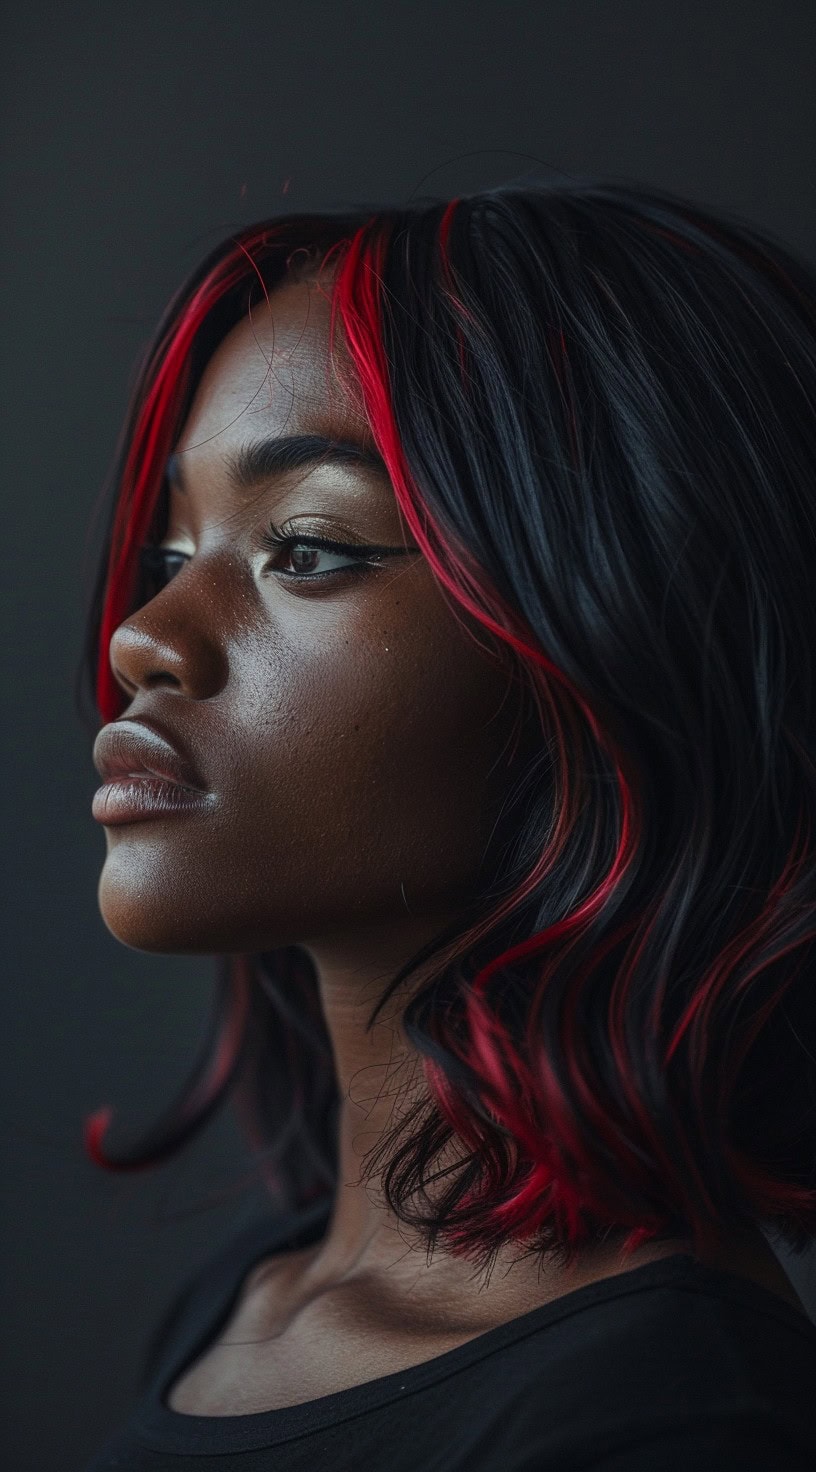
(352, 735)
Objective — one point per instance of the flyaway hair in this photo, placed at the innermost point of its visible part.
(596, 402)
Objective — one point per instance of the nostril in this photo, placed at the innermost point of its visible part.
(170, 647)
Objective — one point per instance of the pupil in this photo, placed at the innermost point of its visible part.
(157, 568)
(306, 552)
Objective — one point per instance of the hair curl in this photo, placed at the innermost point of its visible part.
(595, 401)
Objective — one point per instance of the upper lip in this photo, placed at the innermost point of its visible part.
(133, 748)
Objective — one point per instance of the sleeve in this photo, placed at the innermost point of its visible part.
(739, 1442)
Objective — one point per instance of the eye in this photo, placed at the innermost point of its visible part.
(157, 565)
(358, 559)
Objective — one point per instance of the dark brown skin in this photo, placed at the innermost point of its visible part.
(356, 737)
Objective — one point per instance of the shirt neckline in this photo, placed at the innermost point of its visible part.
(168, 1430)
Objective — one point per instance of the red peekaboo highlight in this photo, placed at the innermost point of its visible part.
(524, 1092)
(143, 471)
(154, 428)
(594, 1143)
(151, 443)
(206, 1088)
(93, 1133)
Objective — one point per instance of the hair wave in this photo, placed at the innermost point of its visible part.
(596, 402)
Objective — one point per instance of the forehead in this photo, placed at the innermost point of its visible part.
(273, 374)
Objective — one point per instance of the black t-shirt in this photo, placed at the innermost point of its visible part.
(666, 1366)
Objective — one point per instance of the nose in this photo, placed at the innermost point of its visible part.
(175, 640)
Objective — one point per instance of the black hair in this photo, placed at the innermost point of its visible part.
(596, 404)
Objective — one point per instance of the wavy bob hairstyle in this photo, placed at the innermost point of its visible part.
(597, 405)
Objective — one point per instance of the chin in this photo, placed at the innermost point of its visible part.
(170, 908)
(151, 916)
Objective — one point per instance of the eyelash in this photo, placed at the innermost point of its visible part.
(276, 540)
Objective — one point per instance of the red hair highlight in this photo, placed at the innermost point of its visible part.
(150, 446)
(513, 1083)
(551, 1107)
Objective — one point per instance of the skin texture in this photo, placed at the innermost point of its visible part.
(355, 734)
(356, 738)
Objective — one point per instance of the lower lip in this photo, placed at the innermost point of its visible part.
(135, 799)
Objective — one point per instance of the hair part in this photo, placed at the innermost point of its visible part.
(595, 402)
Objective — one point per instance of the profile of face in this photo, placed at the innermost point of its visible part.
(353, 736)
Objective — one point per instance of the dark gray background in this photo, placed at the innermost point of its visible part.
(134, 137)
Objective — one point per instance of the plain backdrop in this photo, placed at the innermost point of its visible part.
(134, 137)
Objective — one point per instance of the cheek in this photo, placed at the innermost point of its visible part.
(353, 778)
(375, 762)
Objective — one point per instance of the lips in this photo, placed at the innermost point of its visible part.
(132, 748)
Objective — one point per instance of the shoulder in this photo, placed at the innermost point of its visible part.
(698, 1318)
(748, 1440)
(701, 1341)
(673, 1366)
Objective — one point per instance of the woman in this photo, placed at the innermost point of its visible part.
(453, 635)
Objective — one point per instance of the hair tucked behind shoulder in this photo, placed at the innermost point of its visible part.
(597, 405)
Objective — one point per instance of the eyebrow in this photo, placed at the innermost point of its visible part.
(254, 463)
